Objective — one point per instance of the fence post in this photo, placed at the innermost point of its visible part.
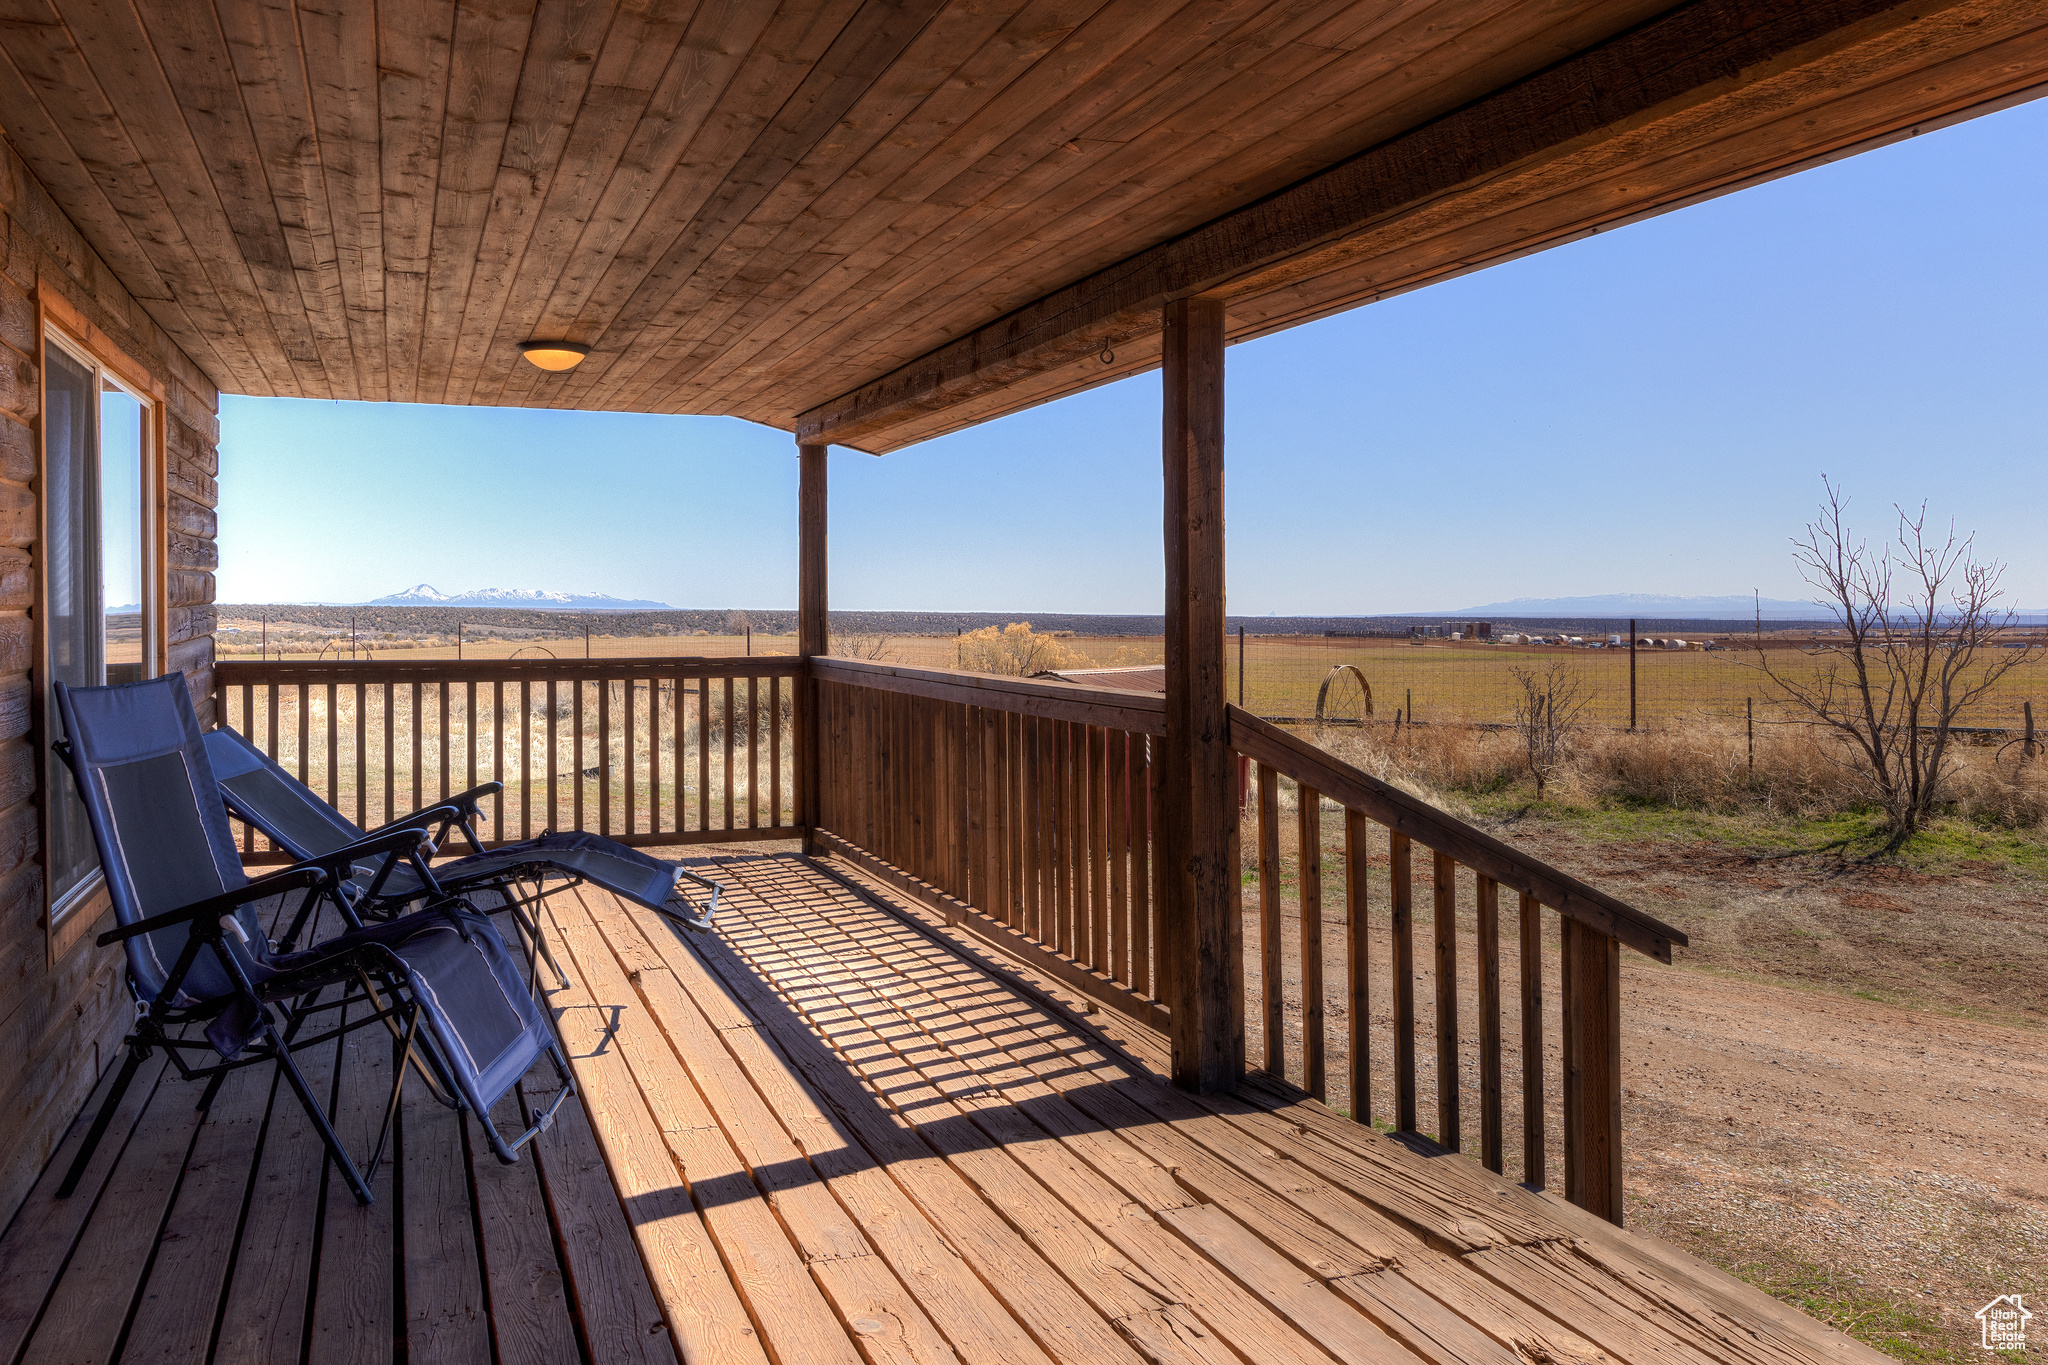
(1631, 673)
(1749, 712)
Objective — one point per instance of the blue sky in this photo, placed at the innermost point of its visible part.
(1649, 410)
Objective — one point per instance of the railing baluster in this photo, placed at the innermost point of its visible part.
(677, 725)
(446, 792)
(1401, 932)
(1533, 1118)
(270, 716)
(604, 756)
(1309, 825)
(1118, 760)
(1489, 1025)
(390, 753)
(418, 758)
(753, 754)
(728, 714)
(1141, 865)
(1098, 849)
(1446, 904)
(775, 752)
(703, 752)
(469, 730)
(554, 760)
(1271, 997)
(526, 758)
(362, 756)
(630, 692)
(333, 750)
(497, 756)
(576, 750)
(1357, 965)
(305, 732)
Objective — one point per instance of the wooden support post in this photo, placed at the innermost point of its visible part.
(811, 634)
(1591, 963)
(1203, 943)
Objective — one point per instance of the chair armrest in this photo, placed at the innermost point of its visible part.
(332, 866)
(449, 808)
(410, 839)
(213, 907)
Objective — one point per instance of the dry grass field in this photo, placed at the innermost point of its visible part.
(638, 759)
(1433, 681)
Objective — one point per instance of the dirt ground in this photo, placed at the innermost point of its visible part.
(1883, 1159)
(1837, 1093)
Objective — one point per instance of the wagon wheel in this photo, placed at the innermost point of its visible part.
(1345, 698)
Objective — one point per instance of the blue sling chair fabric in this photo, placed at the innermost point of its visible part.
(197, 949)
(297, 820)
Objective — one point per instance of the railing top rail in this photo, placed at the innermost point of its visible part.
(237, 672)
(1434, 829)
(1139, 712)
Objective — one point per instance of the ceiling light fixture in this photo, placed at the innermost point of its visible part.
(554, 355)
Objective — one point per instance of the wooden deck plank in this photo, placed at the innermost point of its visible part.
(354, 1309)
(445, 1313)
(40, 1241)
(760, 1255)
(822, 1221)
(264, 1316)
(1335, 1325)
(1163, 1331)
(529, 1305)
(616, 1308)
(705, 1315)
(1051, 1312)
(1433, 1331)
(85, 1314)
(849, 1017)
(175, 1310)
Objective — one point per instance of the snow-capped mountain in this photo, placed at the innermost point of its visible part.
(532, 599)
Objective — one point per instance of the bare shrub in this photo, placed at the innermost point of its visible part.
(859, 646)
(1919, 620)
(1547, 714)
(1016, 651)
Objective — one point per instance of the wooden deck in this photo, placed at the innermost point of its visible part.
(826, 1135)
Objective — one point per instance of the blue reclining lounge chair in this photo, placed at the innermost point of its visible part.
(292, 816)
(442, 980)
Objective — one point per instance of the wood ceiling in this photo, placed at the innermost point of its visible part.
(784, 211)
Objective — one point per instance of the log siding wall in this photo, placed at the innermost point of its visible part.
(63, 1007)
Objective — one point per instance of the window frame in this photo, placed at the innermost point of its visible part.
(64, 327)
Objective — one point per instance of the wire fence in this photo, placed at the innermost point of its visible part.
(1429, 679)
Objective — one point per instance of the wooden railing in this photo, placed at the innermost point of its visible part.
(646, 751)
(1022, 810)
(1381, 826)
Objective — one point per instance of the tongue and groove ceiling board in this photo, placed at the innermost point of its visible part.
(875, 222)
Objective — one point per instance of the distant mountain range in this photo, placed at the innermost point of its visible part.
(1644, 604)
(532, 599)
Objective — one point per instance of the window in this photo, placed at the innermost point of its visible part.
(100, 612)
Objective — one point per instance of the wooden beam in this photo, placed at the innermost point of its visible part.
(1660, 88)
(812, 632)
(1203, 942)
